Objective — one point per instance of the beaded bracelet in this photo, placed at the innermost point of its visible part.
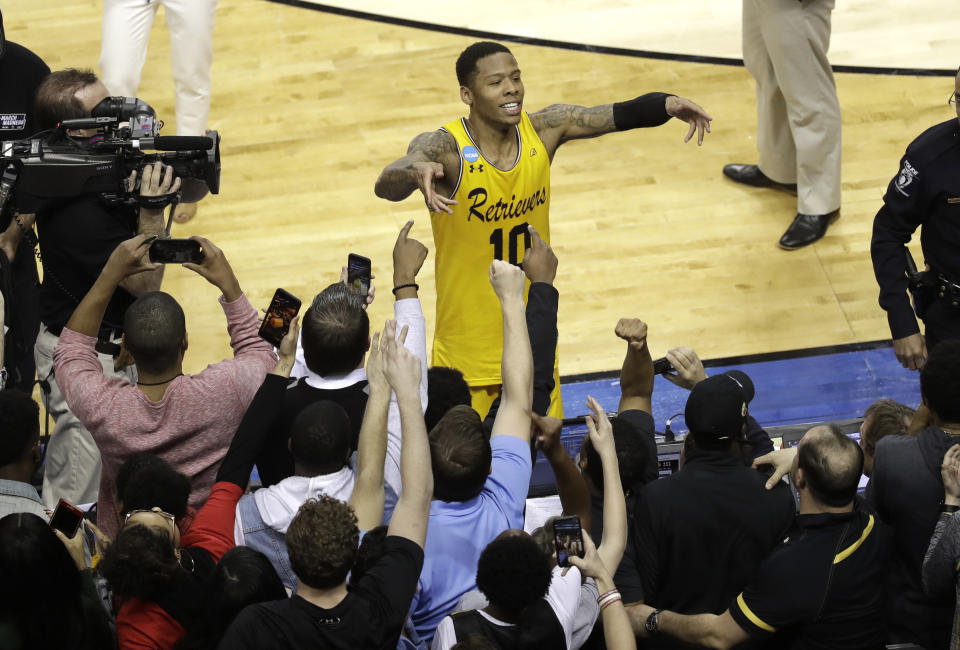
(406, 286)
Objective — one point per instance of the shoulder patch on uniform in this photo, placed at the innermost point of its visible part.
(906, 177)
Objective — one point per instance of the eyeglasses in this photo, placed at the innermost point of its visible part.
(155, 511)
(953, 100)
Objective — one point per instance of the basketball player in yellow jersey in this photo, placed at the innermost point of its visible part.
(485, 178)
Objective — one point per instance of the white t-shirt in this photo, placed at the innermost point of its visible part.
(571, 602)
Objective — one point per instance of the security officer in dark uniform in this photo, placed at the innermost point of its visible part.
(21, 72)
(926, 193)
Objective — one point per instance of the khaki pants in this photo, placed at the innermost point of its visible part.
(72, 469)
(785, 45)
(126, 31)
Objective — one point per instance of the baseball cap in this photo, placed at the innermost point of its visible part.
(717, 406)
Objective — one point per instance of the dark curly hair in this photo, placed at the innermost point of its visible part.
(322, 542)
(467, 61)
(243, 577)
(513, 571)
(139, 561)
(146, 481)
(940, 381)
(446, 388)
(631, 457)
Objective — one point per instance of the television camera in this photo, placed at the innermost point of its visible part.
(53, 164)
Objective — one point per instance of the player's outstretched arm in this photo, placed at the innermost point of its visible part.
(562, 122)
(430, 165)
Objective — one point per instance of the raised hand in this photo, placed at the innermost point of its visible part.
(375, 358)
(371, 292)
(408, 256)
(401, 367)
(539, 261)
(690, 371)
(216, 269)
(131, 257)
(427, 174)
(590, 564)
(508, 280)
(633, 331)
(547, 432)
(781, 461)
(950, 471)
(600, 429)
(691, 113)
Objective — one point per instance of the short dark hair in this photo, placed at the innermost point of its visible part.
(467, 61)
(887, 418)
(446, 388)
(940, 380)
(513, 572)
(322, 542)
(460, 455)
(56, 97)
(371, 550)
(153, 331)
(19, 425)
(139, 562)
(336, 331)
(146, 481)
(631, 456)
(832, 464)
(243, 576)
(321, 438)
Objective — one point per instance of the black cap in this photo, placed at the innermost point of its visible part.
(717, 406)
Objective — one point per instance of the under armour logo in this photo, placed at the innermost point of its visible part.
(533, 152)
(480, 167)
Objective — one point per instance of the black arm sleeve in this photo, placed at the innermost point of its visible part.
(246, 444)
(644, 111)
(542, 303)
(901, 214)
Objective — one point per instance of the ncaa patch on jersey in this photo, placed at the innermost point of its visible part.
(470, 154)
(12, 121)
(906, 176)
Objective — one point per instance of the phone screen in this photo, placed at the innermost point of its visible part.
(568, 539)
(358, 273)
(281, 311)
(66, 518)
(176, 251)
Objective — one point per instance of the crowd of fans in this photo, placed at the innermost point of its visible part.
(391, 514)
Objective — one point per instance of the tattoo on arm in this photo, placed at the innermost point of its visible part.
(396, 181)
(574, 121)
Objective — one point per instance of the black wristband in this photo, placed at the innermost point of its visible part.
(406, 286)
(645, 110)
(949, 509)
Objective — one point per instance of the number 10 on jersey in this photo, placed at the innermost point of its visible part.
(516, 253)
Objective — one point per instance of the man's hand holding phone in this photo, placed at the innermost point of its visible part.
(129, 258)
(216, 269)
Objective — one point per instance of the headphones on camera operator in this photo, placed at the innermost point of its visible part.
(52, 164)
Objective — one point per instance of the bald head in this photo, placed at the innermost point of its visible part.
(831, 465)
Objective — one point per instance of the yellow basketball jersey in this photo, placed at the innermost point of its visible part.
(494, 208)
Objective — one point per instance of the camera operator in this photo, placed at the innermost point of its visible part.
(77, 236)
(21, 72)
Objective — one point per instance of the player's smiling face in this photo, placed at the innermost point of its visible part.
(496, 92)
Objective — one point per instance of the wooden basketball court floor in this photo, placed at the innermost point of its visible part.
(311, 105)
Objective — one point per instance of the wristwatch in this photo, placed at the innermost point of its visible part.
(653, 623)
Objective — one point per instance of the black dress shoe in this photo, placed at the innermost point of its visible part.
(751, 175)
(806, 229)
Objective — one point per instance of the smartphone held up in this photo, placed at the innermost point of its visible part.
(66, 518)
(358, 273)
(176, 251)
(283, 308)
(568, 539)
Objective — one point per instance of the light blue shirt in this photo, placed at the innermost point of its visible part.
(458, 532)
(16, 496)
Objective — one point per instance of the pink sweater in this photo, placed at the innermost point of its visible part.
(191, 427)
